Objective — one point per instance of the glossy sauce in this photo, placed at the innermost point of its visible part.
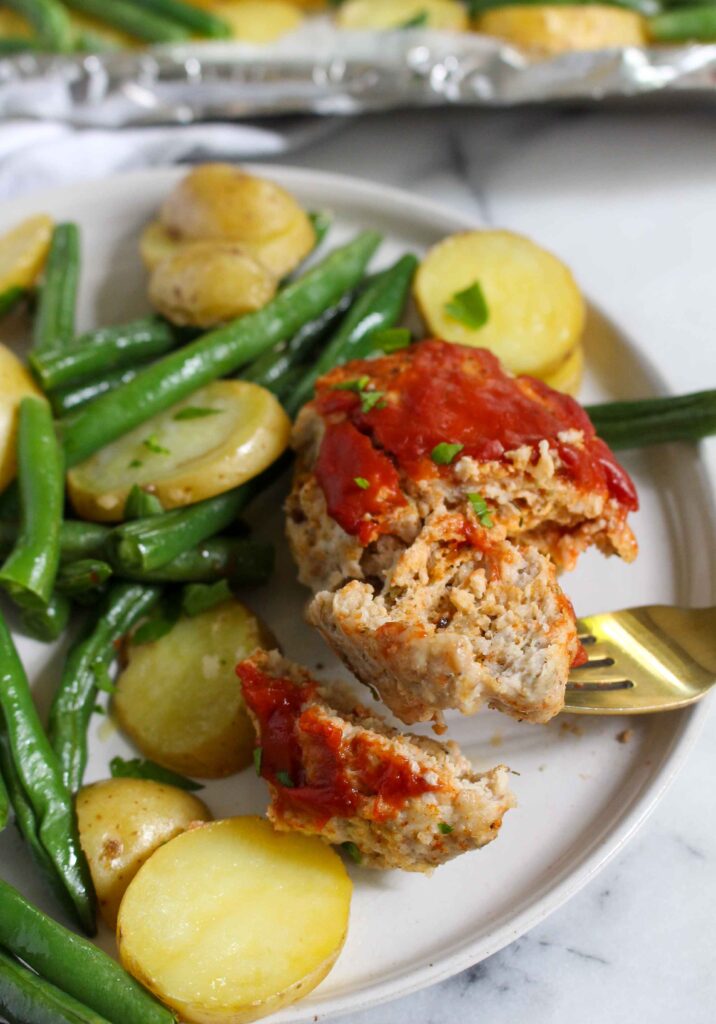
(331, 776)
(437, 392)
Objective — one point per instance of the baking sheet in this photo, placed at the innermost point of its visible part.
(321, 69)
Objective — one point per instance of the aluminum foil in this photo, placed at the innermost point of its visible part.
(323, 70)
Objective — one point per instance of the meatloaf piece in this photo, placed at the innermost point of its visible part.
(434, 498)
(338, 771)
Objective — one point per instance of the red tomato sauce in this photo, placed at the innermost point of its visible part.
(436, 392)
(330, 776)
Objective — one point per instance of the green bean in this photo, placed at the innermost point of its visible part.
(46, 622)
(270, 369)
(50, 21)
(321, 221)
(647, 421)
(10, 502)
(11, 296)
(138, 768)
(28, 573)
(5, 799)
(200, 597)
(75, 965)
(203, 23)
(392, 339)
(54, 323)
(244, 563)
(646, 7)
(41, 777)
(26, 998)
(77, 539)
(83, 580)
(88, 663)
(687, 24)
(375, 309)
(66, 400)
(9, 46)
(132, 19)
(103, 351)
(147, 544)
(216, 354)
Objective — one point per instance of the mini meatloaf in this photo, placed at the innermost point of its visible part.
(338, 771)
(434, 498)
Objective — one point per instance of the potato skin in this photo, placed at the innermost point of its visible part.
(207, 283)
(156, 243)
(16, 384)
(387, 14)
(568, 376)
(265, 911)
(555, 29)
(536, 312)
(179, 699)
(257, 21)
(121, 823)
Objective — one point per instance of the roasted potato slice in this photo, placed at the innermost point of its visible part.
(535, 311)
(179, 699)
(568, 375)
(218, 437)
(15, 384)
(121, 823)
(256, 21)
(23, 252)
(385, 14)
(203, 284)
(557, 29)
(264, 911)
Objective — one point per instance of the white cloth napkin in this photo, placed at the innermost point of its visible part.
(36, 154)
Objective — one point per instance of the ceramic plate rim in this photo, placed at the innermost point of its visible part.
(688, 723)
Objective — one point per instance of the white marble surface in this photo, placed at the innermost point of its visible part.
(638, 943)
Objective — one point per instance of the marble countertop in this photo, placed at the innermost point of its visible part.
(636, 943)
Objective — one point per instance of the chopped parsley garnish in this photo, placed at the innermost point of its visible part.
(360, 481)
(469, 307)
(285, 779)
(195, 412)
(371, 400)
(152, 444)
(418, 21)
(357, 385)
(135, 464)
(445, 828)
(258, 755)
(443, 453)
(391, 339)
(353, 852)
(479, 507)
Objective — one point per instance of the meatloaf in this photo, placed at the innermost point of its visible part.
(338, 771)
(434, 498)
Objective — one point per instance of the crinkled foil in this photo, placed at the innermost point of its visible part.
(323, 70)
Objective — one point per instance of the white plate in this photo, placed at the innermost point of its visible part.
(582, 794)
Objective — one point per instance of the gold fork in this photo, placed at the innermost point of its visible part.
(656, 658)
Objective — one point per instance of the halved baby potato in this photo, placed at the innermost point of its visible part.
(15, 384)
(555, 28)
(179, 700)
(202, 284)
(121, 823)
(386, 14)
(233, 920)
(156, 243)
(568, 375)
(23, 252)
(535, 311)
(256, 21)
(218, 437)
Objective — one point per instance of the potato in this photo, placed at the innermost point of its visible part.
(256, 21)
(14, 25)
(265, 912)
(568, 376)
(384, 14)
(15, 384)
(218, 437)
(179, 699)
(23, 252)
(557, 29)
(121, 823)
(207, 283)
(156, 243)
(110, 36)
(224, 202)
(535, 310)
